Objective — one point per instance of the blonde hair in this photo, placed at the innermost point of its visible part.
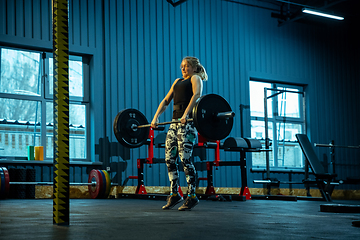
(195, 63)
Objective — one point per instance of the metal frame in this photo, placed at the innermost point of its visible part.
(266, 120)
(332, 151)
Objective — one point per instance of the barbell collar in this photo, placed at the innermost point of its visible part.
(225, 115)
(262, 181)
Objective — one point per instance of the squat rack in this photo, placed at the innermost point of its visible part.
(266, 120)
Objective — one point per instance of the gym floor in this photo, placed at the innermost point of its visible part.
(144, 219)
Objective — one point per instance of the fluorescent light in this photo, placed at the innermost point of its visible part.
(322, 14)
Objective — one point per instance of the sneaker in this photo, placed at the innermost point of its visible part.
(172, 201)
(189, 203)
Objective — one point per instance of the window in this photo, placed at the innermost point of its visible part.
(285, 118)
(26, 103)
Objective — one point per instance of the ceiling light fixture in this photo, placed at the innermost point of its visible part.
(322, 14)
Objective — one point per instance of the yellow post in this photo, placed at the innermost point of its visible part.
(61, 112)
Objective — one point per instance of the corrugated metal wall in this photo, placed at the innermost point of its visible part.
(137, 46)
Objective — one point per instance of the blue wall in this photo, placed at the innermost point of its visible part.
(136, 47)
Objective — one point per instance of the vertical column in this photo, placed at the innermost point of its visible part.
(267, 140)
(61, 112)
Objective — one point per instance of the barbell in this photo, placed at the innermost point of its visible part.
(335, 146)
(99, 183)
(212, 117)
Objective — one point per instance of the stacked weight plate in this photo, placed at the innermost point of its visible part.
(4, 182)
(101, 184)
(99, 187)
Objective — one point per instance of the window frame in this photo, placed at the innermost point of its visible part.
(46, 97)
(274, 118)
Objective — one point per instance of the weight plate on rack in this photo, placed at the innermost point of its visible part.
(7, 181)
(103, 188)
(95, 176)
(2, 184)
(108, 183)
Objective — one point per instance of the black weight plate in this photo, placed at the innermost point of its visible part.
(205, 120)
(356, 223)
(123, 131)
(340, 208)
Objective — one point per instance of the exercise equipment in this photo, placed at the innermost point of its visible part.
(323, 180)
(275, 92)
(99, 183)
(6, 180)
(331, 144)
(212, 117)
(2, 184)
(124, 129)
(356, 223)
(339, 208)
(241, 145)
(332, 147)
(108, 183)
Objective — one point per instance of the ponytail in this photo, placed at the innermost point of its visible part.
(200, 70)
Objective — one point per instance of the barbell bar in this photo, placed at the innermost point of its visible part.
(211, 115)
(332, 145)
(222, 115)
(93, 183)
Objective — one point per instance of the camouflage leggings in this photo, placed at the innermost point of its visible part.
(180, 140)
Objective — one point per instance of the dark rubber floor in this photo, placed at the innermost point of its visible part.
(144, 219)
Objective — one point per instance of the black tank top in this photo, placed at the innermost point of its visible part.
(182, 95)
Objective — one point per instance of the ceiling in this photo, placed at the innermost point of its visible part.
(289, 11)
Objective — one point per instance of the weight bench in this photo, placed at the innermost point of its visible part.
(159, 142)
(242, 145)
(201, 144)
(324, 180)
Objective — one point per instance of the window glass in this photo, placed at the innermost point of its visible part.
(20, 110)
(19, 126)
(77, 131)
(76, 83)
(258, 129)
(20, 72)
(284, 122)
(22, 103)
(288, 103)
(287, 131)
(289, 153)
(258, 132)
(257, 99)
